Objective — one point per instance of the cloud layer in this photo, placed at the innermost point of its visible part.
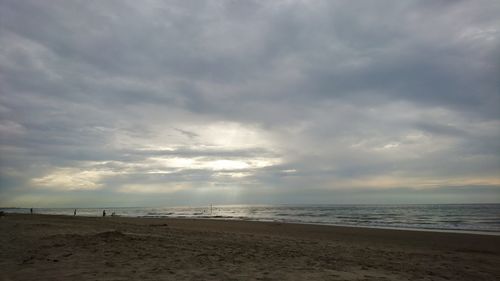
(192, 102)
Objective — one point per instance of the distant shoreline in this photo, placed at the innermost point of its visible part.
(214, 218)
(450, 218)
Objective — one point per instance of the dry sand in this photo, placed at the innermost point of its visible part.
(40, 247)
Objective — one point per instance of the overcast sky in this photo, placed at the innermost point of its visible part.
(167, 103)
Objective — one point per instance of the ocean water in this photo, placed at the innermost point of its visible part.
(447, 217)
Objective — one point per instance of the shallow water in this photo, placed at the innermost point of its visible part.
(453, 217)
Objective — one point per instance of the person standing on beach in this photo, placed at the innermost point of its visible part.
(74, 213)
(31, 211)
(103, 213)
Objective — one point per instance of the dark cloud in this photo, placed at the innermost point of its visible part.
(290, 99)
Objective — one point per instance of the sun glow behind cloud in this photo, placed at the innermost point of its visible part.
(222, 151)
(72, 179)
(214, 164)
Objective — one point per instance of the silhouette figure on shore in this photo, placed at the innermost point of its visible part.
(103, 213)
(74, 212)
(31, 211)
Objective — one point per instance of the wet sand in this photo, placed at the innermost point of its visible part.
(42, 247)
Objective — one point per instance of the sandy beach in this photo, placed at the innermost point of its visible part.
(43, 247)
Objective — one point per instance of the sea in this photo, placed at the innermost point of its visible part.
(476, 218)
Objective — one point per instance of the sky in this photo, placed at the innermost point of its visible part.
(175, 103)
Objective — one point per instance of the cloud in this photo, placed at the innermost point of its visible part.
(72, 179)
(110, 97)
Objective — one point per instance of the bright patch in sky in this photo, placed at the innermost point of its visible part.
(72, 179)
